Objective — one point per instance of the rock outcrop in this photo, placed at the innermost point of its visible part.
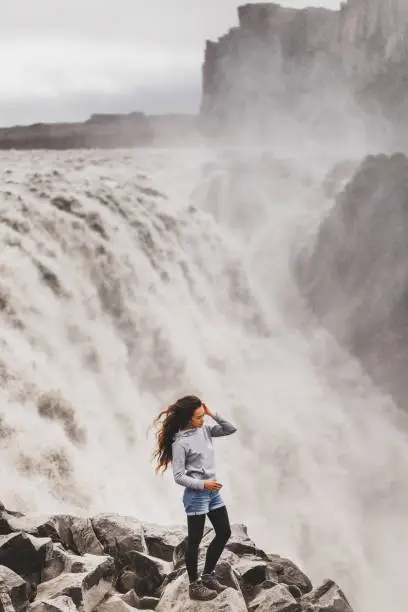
(356, 277)
(113, 563)
(313, 64)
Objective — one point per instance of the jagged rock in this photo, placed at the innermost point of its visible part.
(148, 603)
(23, 553)
(175, 598)
(328, 597)
(60, 561)
(161, 541)
(9, 522)
(119, 536)
(251, 572)
(131, 598)
(255, 575)
(225, 574)
(356, 277)
(62, 525)
(291, 574)
(57, 604)
(6, 605)
(144, 574)
(67, 584)
(84, 537)
(84, 588)
(57, 527)
(169, 578)
(16, 587)
(276, 599)
(114, 604)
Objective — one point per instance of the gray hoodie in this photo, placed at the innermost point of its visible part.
(193, 453)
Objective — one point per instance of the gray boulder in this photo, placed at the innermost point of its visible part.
(84, 588)
(148, 603)
(61, 560)
(23, 553)
(16, 587)
(251, 573)
(328, 597)
(6, 605)
(161, 541)
(125, 603)
(84, 537)
(114, 603)
(57, 604)
(289, 573)
(54, 526)
(120, 536)
(276, 599)
(144, 574)
(131, 598)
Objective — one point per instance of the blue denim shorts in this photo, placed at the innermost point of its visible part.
(202, 501)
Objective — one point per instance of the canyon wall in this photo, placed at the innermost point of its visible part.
(311, 63)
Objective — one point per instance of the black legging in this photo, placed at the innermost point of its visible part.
(220, 521)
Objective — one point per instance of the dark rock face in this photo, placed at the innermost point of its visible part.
(307, 63)
(113, 563)
(356, 278)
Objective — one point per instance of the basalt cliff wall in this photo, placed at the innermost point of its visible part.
(312, 63)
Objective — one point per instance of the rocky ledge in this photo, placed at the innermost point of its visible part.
(114, 563)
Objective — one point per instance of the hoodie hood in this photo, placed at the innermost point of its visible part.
(186, 432)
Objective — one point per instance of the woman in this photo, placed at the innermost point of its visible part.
(186, 442)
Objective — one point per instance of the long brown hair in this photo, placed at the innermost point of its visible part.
(170, 421)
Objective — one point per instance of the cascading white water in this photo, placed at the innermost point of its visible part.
(131, 278)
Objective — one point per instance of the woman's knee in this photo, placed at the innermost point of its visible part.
(223, 534)
(227, 533)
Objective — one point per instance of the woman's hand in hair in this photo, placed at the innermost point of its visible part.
(212, 485)
(206, 409)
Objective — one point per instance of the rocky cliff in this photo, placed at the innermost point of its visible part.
(113, 563)
(308, 63)
(356, 277)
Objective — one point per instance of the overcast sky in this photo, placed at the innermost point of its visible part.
(61, 60)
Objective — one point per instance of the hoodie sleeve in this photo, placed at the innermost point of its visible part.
(223, 427)
(179, 469)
